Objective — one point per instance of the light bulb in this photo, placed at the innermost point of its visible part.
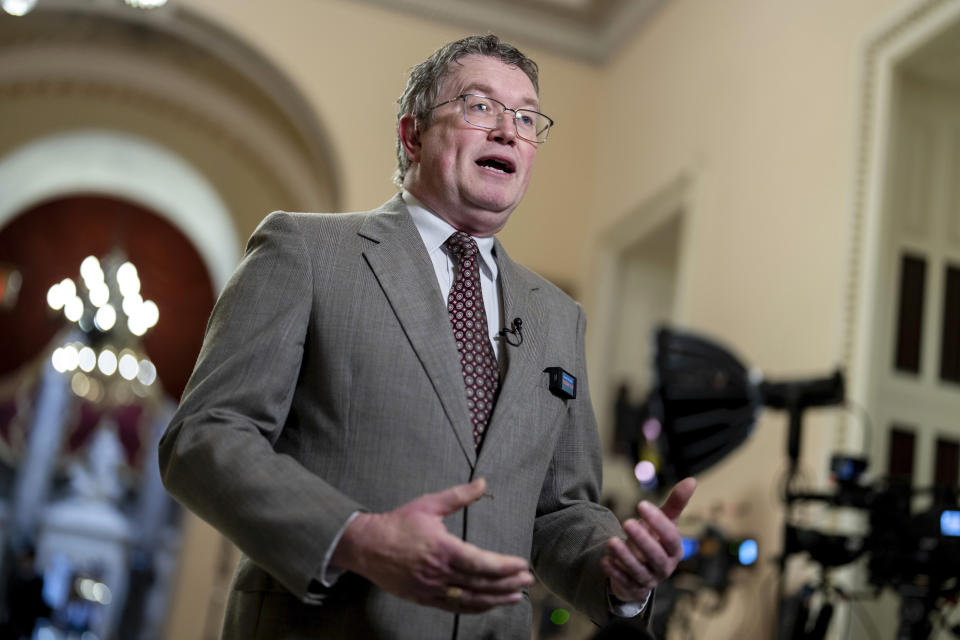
(73, 309)
(18, 7)
(106, 317)
(87, 358)
(128, 366)
(148, 373)
(107, 362)
(127, 279)
(55, 297)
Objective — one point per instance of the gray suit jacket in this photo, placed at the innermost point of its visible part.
(329, 382)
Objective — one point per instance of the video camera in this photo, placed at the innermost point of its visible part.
(915, 553)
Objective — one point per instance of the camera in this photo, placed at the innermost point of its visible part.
(915, 552)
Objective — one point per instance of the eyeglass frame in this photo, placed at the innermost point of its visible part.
(463, 97)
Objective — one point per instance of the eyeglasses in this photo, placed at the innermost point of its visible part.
(484, 112)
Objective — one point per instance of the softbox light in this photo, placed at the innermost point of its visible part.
(707, 402)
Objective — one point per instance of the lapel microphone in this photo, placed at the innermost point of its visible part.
(516, 330)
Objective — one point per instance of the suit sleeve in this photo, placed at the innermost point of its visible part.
(571, 528)
(217, 456)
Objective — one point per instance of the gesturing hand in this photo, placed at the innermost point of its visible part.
(409, 553)
(652, 549)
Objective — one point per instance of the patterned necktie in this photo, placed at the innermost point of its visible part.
(481, 375)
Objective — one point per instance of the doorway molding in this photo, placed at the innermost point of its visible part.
(883, 49)
(672, 203)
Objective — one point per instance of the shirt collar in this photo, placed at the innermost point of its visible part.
(435, 230)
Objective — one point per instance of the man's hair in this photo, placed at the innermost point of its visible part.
(426, 82)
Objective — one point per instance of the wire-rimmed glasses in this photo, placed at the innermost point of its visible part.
(484, 112)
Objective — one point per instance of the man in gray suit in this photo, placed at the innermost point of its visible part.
(389, 460)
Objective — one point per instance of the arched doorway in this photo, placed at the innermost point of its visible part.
(129, 515)
(170, 115)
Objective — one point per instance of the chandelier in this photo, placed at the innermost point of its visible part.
(23, 7)
(103, 353)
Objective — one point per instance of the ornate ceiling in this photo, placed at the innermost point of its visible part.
(590, 30)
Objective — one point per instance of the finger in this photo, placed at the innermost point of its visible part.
(505, 585)
(455, 498)
(679, 497)
(617, 576)
(471, 602)
(663, 528)
(628, 563)
(647, 549)
(472, 560)
(620, 584)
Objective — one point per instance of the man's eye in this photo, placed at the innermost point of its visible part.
(525, 120)
(480, 106)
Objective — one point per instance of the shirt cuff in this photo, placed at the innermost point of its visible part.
(626, 609)
(328, 575)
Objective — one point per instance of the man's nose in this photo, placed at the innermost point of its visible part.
(506, 129)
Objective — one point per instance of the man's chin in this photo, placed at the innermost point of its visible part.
(486, 221)
(495, 204)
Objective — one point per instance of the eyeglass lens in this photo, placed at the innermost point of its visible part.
(485, 112)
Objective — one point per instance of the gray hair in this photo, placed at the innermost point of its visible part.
(426, 82)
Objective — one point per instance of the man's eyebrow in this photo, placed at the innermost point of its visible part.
(486, 90)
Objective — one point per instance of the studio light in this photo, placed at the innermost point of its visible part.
(706, 402)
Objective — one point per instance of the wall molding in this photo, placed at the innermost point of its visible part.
(883, 49)
(127, 167)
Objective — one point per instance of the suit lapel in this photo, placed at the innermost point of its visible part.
(399, 261)
(520, 300)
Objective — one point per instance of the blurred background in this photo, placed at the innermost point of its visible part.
(781, 177)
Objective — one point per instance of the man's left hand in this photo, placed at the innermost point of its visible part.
(652, 548)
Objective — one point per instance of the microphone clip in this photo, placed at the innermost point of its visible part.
(515, 330)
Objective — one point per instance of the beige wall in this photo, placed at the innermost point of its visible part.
(755, 100)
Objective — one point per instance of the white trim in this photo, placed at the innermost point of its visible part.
(74, 56)
(128, 167)
(889, 44)
(176, 92)
(885, 47)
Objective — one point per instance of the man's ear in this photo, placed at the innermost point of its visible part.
(409, 135)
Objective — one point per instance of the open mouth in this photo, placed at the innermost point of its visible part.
(499, 165)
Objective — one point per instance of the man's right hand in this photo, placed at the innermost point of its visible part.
(409, 553)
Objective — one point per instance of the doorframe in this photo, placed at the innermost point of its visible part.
(674, 199)
(883, 49)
